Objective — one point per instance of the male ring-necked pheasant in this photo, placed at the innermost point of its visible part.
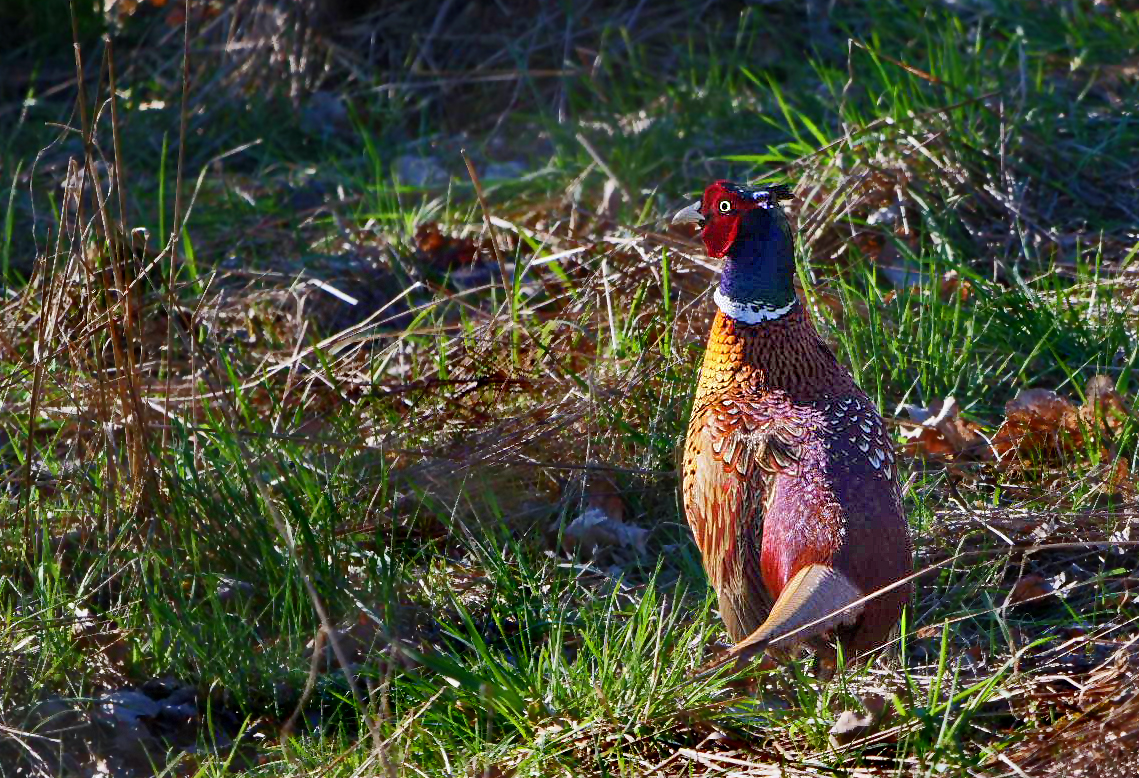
(789, 479)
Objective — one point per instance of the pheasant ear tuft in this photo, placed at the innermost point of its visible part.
(779, 192)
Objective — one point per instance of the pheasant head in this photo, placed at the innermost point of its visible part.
(747, 228)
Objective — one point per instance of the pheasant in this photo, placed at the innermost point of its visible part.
(789, 479)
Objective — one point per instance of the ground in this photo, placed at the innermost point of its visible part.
(345, 364)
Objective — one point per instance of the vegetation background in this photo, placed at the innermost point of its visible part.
(345, 348)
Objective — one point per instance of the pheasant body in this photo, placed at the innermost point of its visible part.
(789, 478)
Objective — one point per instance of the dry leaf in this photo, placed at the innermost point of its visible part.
(1105, 409)
(596, 533)
(1031, 589)
(1119, 480)
(1038, 422)
(601, 533)
(120, 10)
(176, 15)
(952, 283)
(103, 643)
(943, 433)
(361, 641)
(602, 493)
(849, 726)
(1105, 412)
(443, 251)
(928, 632)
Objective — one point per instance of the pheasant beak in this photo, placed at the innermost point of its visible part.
(689, 215)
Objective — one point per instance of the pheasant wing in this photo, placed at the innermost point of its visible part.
(735, 450)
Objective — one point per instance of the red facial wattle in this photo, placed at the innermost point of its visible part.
(719, 233)
(721, 227)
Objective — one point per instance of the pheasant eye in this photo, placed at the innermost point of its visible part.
(724, 206)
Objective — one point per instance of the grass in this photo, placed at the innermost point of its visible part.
(191, 486)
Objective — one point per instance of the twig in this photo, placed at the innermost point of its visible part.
(289, 726)
(120, 242)
(176, 224)
(486, 218)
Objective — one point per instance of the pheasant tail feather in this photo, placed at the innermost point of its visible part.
(812, 601)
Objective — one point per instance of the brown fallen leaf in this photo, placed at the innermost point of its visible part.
(975, 655)
(928, 632)
(849, 726)
(952, 283)
(177, 13)
(1038, 423)
(103, 643)
(941, 432)
(1119, 480)
(852, 725)
(598, 535)
(1105, 409)
(443, 251)
(1103, 414)
(602, 493)
(362, 640)
(1029, 590)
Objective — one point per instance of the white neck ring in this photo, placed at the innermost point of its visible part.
(750, 312)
